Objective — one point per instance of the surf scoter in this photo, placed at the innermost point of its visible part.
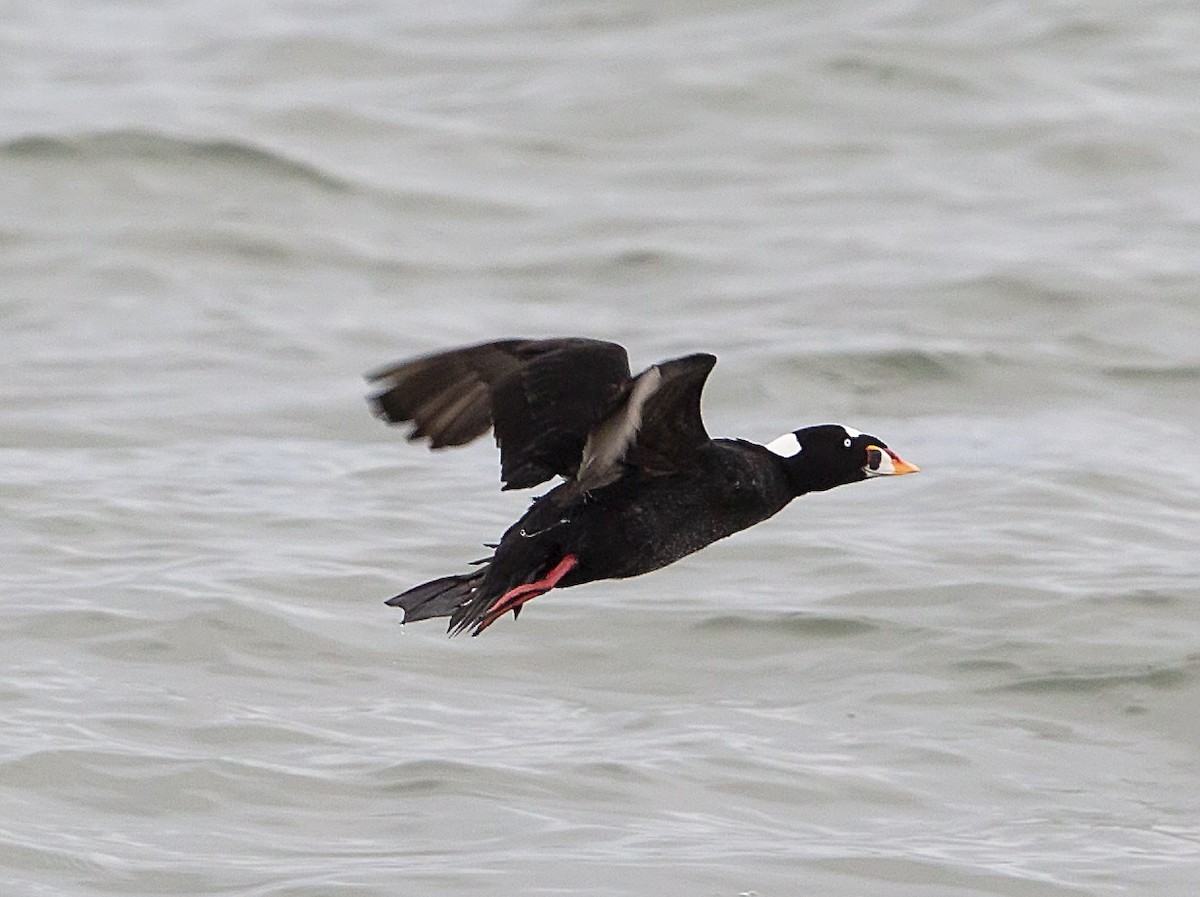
(643, 483)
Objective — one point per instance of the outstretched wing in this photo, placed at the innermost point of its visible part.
(656, 427)
(542, 397)
(673, 432)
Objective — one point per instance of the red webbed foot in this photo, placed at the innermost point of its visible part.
(515, 597)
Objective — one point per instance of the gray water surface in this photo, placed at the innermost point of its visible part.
(970, 229)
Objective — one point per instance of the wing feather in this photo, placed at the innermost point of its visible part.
(673, 434)
(541, 397)
(657, 428)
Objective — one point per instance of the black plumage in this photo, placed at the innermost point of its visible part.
(643, 483)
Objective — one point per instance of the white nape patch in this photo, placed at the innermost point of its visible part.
(851, 432)
(786, 446)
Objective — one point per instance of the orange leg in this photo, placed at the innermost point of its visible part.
(517, 596)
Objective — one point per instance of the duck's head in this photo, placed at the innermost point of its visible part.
(828, 455)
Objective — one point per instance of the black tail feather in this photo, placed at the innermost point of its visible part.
(436, 598)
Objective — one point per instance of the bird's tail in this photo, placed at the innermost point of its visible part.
(438, 597)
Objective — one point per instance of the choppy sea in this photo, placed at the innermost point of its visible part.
(971, 229)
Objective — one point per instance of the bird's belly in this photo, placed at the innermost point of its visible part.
(639, 540)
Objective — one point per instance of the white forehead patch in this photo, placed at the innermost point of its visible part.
(851, 432)
(786, 446)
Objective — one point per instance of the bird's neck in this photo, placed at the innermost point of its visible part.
(804, 476)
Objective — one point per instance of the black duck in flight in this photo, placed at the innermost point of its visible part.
(643, 483)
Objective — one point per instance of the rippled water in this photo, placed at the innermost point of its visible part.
(970, 229)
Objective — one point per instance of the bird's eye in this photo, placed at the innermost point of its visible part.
(846, 443)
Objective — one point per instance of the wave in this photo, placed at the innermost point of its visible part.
(144, 145)
(804, 625)
(1167, 373)
(1084, 681)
